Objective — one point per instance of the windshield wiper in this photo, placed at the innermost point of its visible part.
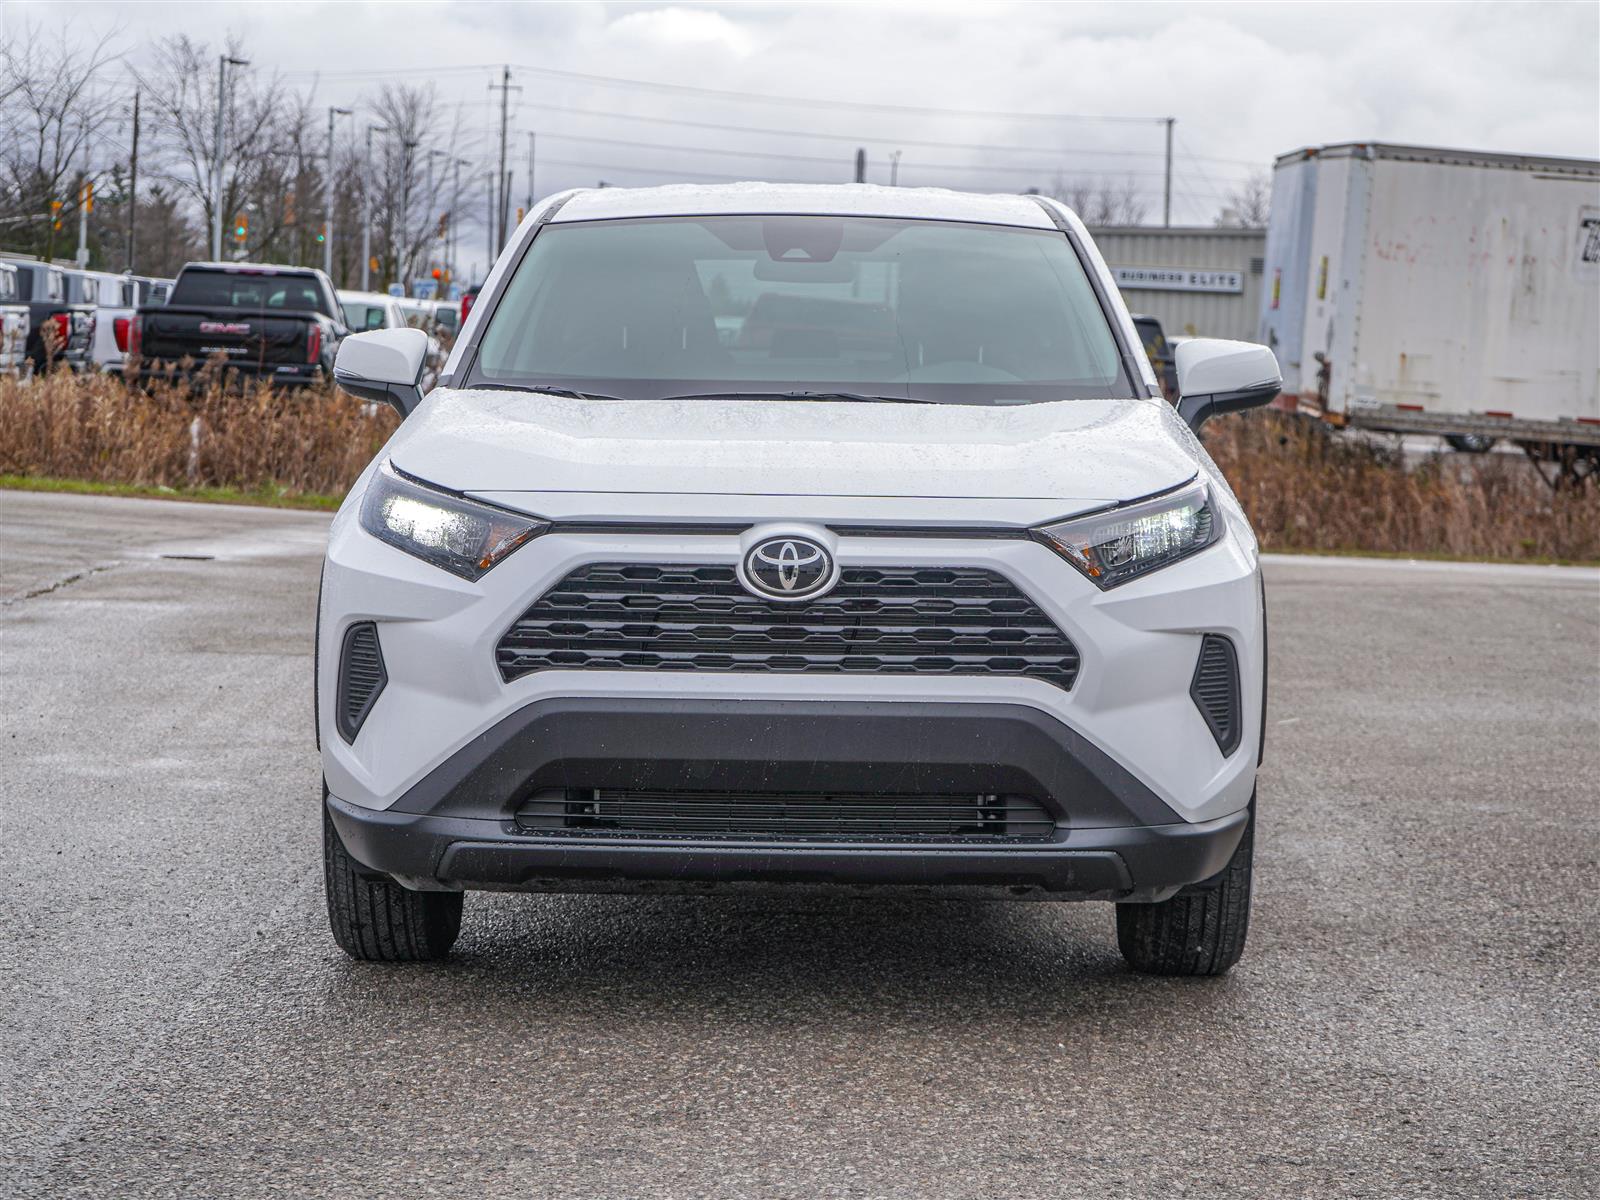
(569, 393)
(857, 397)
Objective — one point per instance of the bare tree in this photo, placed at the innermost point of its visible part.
(408, 195)
(1101, 201)
(49, 115)
(1248, 204)
(183, 94)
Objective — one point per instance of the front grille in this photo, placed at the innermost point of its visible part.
(1215, 690)
(876, 621)
(785, 815)
(361, 677)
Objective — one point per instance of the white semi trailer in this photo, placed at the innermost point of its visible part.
(1419, 290)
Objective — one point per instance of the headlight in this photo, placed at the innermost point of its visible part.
(460, 535)
(1114, 547)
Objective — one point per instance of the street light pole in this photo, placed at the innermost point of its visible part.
(433, 208)
(455, 215)
(327, 195)
(402, 256)
(223, 63)
(366, 223)
(1166, 191)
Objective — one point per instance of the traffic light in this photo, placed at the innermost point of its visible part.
(322, 234)
(444, 223)
(241, 227)
(372, 263)
(438, 274)
(86, 195)
(288, 207)
(55, 213)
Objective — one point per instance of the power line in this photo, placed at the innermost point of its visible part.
(813, 102)
(672, 173)
(857, 138)
(727, 94)
(1040, 171)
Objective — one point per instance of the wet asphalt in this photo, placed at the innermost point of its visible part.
(1417, 1014)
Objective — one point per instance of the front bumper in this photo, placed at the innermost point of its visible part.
(1112, 837)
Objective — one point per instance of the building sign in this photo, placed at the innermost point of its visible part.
(1178, 279)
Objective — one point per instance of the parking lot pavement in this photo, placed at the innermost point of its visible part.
(1416, 1013)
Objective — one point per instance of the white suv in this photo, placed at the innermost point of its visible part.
(795, 535)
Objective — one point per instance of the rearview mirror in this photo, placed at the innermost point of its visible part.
(1217, 376)
(384, 365)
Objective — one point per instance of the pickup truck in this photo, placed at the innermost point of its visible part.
(13, 323)
(268, 322)
(61, 315)
(116, 300)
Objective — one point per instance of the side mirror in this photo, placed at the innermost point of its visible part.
(384, 365)
(1217, 376)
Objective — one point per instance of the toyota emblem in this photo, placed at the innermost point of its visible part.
(788, 568)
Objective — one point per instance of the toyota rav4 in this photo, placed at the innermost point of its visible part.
(785, 536)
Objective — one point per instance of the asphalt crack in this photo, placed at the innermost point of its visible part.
(57, 585)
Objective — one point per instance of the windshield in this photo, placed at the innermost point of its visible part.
(229, 289)
(931, 310)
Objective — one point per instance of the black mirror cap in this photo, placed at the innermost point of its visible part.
(1197, 410)
(403, 399)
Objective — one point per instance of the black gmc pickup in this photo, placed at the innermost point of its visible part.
(271, 322)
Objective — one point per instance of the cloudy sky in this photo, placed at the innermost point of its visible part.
(788, 91)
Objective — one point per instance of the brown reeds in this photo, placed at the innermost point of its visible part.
(1304, 486)
(1307, 487)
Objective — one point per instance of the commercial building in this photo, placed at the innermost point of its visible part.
(1199, 282)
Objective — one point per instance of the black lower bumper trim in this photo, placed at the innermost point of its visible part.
(1111, 863)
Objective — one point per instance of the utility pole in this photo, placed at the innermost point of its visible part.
(530, 171)
(366, 224)
(85, 194)
(505, 213)
(133, 179)
(503, 195)
(327, 195)
(1166, 200)
(454, 238)
(223, 63)
(861, 166)
(402, 250)
(432, 220)
(494, 202)
(894, 167)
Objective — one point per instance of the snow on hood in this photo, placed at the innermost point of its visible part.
(1083, 453)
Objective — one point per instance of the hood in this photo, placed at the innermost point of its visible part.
(1078, 453)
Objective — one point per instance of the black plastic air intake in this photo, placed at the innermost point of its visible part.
(361, 677)
(1216, 690)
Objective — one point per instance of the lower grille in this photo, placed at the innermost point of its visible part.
(786, 815)
(876, 621)
(1215, 690)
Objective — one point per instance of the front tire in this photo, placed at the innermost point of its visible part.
(374, 919)
(1200, 931)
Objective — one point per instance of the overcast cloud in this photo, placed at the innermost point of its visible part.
(1244, 82)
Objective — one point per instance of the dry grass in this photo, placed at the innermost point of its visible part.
(1309, 488)
(312, 441)
(1304, 487)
